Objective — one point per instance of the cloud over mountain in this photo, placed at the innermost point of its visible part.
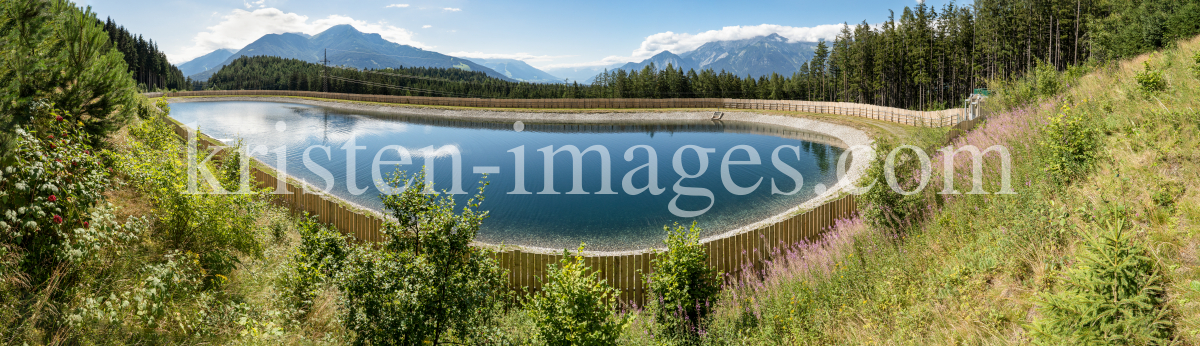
(679, 43)
(241, 27)
(526, 57)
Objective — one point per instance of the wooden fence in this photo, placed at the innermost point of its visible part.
(733, 254)
(897, 115)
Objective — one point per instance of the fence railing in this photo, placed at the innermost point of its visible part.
(897, 115)
(626, 271)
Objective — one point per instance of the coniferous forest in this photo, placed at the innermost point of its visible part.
(921, 58)
(149, 66)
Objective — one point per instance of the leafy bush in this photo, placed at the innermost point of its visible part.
(684, 289)
(150, 306)
(50, 187)
(425, 283)
(1113, 296)
(215, 226)
(1167, 194)
(883, 207)
(1196, 67)
(318, 259)
(1042, 81)
(575, 306)
(1071, 143)
(1150, 80)
(47, 192)
(1048, 79)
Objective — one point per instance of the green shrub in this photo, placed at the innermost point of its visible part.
(1048, 79)
(683, 288)
(575, 306)
(425, 283)
(318, 259)
(1071, 144)
(218, 227)
(882, 206)
(1196, 66)
(1166, 194)
(152, 305)
(1114, 296)
(47, 191)
(1150, 80)
(51, 221)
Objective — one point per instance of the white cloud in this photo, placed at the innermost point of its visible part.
(250, 4)
(452, 9)
(526, 57)
(684, 42)
(426, 26)
(240, 27)
(679, 43)
(396, 5)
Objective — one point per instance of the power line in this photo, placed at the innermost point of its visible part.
(398, 56)
(447, 93)
(424, 78)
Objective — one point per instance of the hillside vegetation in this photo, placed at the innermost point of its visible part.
(101, 241)
(1099, 245)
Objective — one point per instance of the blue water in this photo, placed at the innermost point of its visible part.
(604, 221)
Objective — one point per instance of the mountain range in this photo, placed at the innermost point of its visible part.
(347, 47)
(206, 62)
(581, 73)
(519, 70)
(755, 57)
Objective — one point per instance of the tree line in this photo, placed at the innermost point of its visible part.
(148, 65)
(925, 58)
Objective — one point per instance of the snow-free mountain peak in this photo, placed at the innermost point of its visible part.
(349, 47)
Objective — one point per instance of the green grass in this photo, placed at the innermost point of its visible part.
(978, 270)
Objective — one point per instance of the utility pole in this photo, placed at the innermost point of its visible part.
(325, 81)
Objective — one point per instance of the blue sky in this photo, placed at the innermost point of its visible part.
(544, 33)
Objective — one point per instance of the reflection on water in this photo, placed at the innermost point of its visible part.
(617, 221)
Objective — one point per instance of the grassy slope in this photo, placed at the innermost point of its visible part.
(971, 275)
(253, 310)
(974, 272)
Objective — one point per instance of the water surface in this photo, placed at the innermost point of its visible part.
(609, 222)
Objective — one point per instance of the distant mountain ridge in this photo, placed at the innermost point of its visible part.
(206, 62)
(755, 57)
(346, 46)
(519, 70)
(581, 74)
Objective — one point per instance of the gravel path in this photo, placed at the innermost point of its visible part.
(848, 135)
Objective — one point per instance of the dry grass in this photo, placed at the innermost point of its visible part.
(973, 274)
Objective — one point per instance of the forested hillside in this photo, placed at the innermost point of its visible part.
(922, 58)
(148, 65)
(273, 73)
